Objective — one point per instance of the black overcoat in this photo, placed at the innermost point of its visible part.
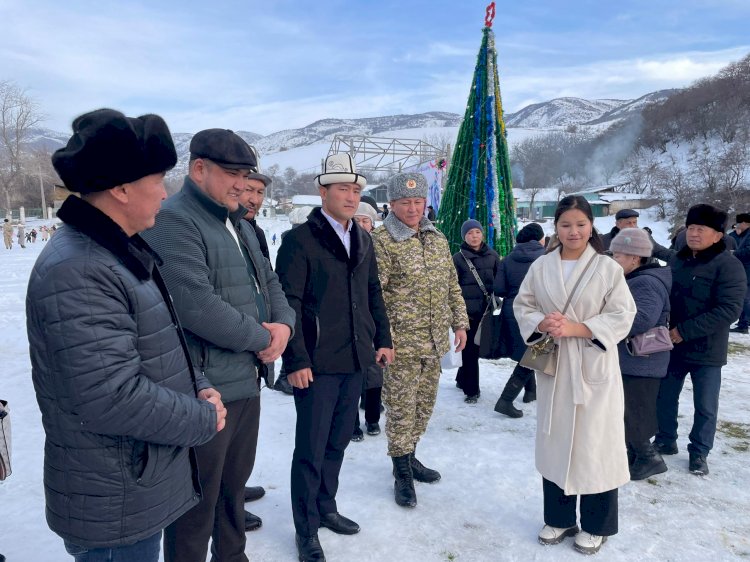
(509, 277)
(337, 299)
(708, 291)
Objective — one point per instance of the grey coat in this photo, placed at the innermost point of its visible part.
(208, 278)
(114, 385)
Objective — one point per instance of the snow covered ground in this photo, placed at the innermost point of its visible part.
(488, 505)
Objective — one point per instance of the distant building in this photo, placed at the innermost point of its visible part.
(306, 201)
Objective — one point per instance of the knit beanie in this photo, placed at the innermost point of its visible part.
(531, 231)
(468, 225)
(108, 149)
(707, 215)
(743, 217)
(633, 242)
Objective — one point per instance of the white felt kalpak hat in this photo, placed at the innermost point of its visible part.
(340, 168)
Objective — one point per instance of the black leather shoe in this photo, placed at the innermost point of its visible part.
(253, 493)
(698, 464)
(373, 428)
(252, 522)
(357, 435)
(339, 524)
(665, 448)
(309, 549)
(738, 330)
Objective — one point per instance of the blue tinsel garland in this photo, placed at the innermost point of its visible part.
(482, 63)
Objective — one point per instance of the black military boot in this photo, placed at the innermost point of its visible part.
(647, 462)
(512, 388)
(403, 488)
(631, 455)
(529, 394)
(420, 472)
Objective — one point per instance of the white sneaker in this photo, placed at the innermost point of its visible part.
(588, 543)
(554, 535)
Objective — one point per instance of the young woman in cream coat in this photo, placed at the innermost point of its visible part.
(580, 433)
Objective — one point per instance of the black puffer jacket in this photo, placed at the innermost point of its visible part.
(486, 261)
(509, 277)
(114, 385)
(650, 286)
(708, 291)
(337, 298)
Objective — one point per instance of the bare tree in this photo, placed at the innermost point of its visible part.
(18, 114)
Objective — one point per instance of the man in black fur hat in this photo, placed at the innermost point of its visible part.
(121, 405)
(708, 289)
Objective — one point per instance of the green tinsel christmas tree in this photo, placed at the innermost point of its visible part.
(478, 185)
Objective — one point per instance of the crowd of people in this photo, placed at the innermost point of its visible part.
(22, 236)
(153, 321)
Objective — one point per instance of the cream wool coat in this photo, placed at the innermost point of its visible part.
(580, 436)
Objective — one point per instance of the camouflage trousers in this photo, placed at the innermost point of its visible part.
(409, 391)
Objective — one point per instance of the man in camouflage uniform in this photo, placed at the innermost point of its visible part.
(423, 299)
(8, 234)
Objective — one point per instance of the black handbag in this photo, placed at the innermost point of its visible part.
(488, 337)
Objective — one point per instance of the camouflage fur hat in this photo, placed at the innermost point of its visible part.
(406, 185)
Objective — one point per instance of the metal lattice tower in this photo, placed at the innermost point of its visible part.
(381, 154)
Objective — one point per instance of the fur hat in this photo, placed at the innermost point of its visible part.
(468, 225)
(340, 168)
(366, 210)
(707, 215)
(626, 214)
(256, 173)
(224, 147)
(743, 217)
(410, 184)
(531, 231)
(632, 241)
(108, 149)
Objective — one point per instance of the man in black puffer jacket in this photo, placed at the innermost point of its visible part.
(708, 290)
(113, 379)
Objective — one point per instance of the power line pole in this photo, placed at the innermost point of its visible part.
(41, 188)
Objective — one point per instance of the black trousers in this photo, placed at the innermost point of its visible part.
(468, 374)
(598, 511)
(640, 409)
(372, 397)
(325, 416)
(224, 465)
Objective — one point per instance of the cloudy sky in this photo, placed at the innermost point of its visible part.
(268, 65)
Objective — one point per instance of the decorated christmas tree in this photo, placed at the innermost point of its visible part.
(478, 185)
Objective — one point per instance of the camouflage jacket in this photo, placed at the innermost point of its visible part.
(420, 286)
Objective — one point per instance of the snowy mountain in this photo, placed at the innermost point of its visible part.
(302, 148)
(629, 108)
(326, 129)
(561, 112)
